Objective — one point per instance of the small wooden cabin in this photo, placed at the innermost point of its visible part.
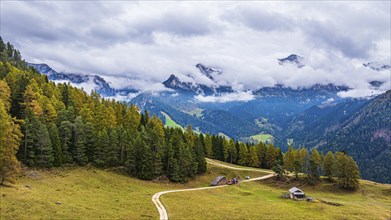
(296, 193)
(220, 180)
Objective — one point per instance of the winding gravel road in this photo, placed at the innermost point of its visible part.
(162, 210)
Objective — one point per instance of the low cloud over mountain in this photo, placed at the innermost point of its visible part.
(146, 42)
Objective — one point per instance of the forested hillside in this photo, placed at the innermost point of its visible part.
(44, 124)
(367, 137)
(57, 124)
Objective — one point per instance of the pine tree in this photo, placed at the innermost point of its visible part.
(261, 150)
(208, 146)
(200, 155)
(123, 143)
(243, 155)
(26, 152)
(329, 165)
(112, 150)
(347, 171)
(79, 150)
(271, 156)
(9, 143)
(90, 140)
(314, 164)
(56, 144)
(232, 154)
(144, 166)
(254, 160)
(102, 148)
(289, 159)
(43, 146)
(65, 130)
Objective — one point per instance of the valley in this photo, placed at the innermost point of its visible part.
(195, 110)
(308, 116)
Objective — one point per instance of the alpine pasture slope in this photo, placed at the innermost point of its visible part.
(162, 210)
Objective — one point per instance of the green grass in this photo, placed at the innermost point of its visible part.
(260, 200)
(262, 137)
(171, 123)
(197, 112)
(84, 194)
(91, 193)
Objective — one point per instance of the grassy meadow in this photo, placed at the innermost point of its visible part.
(171, 123)
(262, 200)
(262, 137)
(91, 193)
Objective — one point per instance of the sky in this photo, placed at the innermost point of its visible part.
(140, 44)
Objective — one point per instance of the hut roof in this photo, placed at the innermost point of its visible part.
(296, 190)
(217, 180)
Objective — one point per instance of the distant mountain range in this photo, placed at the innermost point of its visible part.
(98, 83)
(314, 116)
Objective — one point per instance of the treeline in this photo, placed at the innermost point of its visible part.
(45, 125)
(260, 155)
(337, 167)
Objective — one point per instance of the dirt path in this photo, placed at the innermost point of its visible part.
(235, 168)
(162, 210)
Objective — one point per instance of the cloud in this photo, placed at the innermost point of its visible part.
(145, 42)
(259, 19)
(233, 97)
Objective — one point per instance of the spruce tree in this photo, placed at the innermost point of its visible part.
(27, 151)
(43, 146)
(90, 140)
(102, 148)
(208, 146)
(270, 156)
(112, 152)
(79, 150)
(65, 131)
(200, 155)
(254, 159)
(243, 155)
(144, 165)
(56, 144)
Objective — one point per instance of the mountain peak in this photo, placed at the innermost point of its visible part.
(292, 59)
(172, 81)
(86, 80)
(207, 71)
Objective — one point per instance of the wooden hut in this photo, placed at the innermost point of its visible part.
(296, 193)
(220, 180)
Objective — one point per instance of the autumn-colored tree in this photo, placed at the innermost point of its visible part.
(9, 143)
